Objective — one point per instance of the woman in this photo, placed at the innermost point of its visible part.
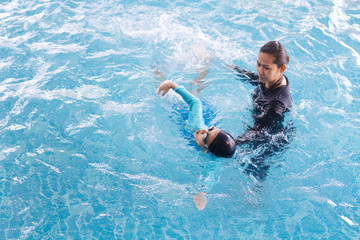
(271, 98)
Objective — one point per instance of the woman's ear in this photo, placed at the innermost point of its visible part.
(283, 67)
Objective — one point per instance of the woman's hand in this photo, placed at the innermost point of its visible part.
(165, 87)
(233, 67)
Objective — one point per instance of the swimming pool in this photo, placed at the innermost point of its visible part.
(89, 151)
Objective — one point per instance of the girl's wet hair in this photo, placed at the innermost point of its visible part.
(223, 145)
(277, 50)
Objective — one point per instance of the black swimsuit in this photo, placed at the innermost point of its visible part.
(269, 104)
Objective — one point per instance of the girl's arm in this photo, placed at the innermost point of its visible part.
(187, 96)
(196, 120)
(165, 87)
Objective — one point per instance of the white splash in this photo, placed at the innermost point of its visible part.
(125, 108)
(53, 48)
(50, 166)
(331, 203)
(5, 152)
(348, 221)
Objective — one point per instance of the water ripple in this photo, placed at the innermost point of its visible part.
(88, 150)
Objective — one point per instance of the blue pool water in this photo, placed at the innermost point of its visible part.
(89, 151)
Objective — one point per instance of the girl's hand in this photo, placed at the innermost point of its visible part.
(165, 87)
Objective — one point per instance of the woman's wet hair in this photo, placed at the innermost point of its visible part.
(223, 145)
(277, 50)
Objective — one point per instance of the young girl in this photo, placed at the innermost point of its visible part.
(210, 139)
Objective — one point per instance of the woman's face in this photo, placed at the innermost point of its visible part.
(268, 71)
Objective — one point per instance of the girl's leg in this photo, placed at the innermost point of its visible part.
(199, 81)
(159, 74)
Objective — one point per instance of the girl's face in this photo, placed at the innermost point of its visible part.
(268, 71)
(204, 137)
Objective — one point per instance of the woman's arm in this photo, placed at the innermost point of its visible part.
(270, 120)
(246, 75)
